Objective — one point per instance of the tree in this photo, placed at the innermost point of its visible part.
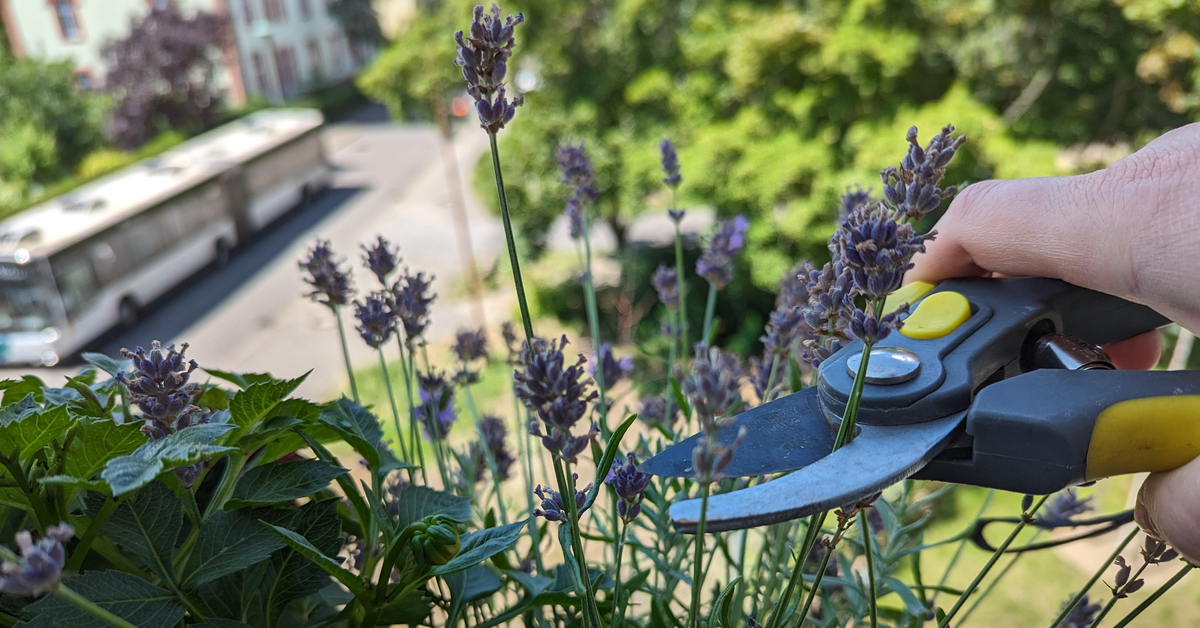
(47, 124)
(161, 75)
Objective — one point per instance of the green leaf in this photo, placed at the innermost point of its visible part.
(911, 602)
(680, 399)
(469, 585)
(148, 526)
(358, 427)
(291, 575)
(129, 473)
(414, 503)
(279, 421)
(281, 482)
(17, 389)
(719, 614)
(73, 482)
(126, 596)
(606, 460)
(218, 622)
(241, 380)
(481, 545)
(28, 433)
(411, 610)
(301, 545)
(109, 365)
(18, 411)
(228, 542)
(97, 442)
(254, 403)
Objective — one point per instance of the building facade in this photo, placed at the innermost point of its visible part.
(277, 49)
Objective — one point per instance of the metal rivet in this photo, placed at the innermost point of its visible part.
(888, 365)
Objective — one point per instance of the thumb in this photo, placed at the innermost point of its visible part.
(1168, 507)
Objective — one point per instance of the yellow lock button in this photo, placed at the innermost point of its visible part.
(939, 314)
(910, 293)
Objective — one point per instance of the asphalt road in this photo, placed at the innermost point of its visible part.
(251, 315)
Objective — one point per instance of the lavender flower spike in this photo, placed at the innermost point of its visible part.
(630, 486)
(557, 393)
(614, 370)
(670, 165)
(381, 259)
(436, 411)
(376, 319)
(40, 567)
(716, 262)
(411, 300)
(483, 55)
(552, 506)
(331, 285)
(666, 283)
(494, 434)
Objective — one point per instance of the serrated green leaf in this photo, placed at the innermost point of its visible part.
(16, 389)
(30, 432)
(414, 503)
(291, 575)
(469, 585)
(410, 610)
(282, 482)
(18, 411)
(358, 427)
(606, 460)
(148, 525)
(97, 442)
(306, 549)
(126, 596)
(218, 622)
(229, 541)
(241, 380)
(254, 403)
(112, 366)
(481, 545)
(73, 482)
(129, 473)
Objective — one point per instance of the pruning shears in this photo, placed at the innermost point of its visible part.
(998, 383)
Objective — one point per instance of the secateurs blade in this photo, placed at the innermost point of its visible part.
(991, 382)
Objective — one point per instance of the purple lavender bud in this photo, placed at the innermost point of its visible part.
(657, 409)
(716, 261)
(614, 370)
(159, 388)
(713, 386)
(376, 318)
(557, 393)
(670, 165)
(508, 331)
(877, 249)
(483, 57)
(577, 173)
(381, 259)
(852, 199)
(494, 434)
(871, 330)
(666, 283)
(630, 486)
(1063, 509)
(676, 215)
(470, 345)
(1083, 615)
(330, 284)
(552, 507)
(411, 300)
(436, 411)
(912, 189)
(574, 213)
(41, 564)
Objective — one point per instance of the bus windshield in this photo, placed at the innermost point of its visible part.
(25, 302)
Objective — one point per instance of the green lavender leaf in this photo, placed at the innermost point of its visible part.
(281, 482)
(606, 460)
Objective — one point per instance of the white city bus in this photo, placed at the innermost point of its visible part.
(78, 265)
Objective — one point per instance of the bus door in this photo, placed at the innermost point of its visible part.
(237, 199)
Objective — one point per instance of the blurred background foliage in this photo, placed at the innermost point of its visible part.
(777, 107)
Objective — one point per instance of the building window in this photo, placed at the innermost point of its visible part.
(274, 10)
(305, 9)
(260, 74)
(65, 9)
(314, 60)
(248, 11)
(285, 65)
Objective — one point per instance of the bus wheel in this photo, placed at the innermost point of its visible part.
(222, 254)
(127, 313)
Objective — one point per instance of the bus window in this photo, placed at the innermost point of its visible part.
(76, 282)
(25, 303)
(145, 237)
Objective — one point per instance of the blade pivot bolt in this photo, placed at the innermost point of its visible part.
(888, 365)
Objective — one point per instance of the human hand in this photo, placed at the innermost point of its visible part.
(1131, 230)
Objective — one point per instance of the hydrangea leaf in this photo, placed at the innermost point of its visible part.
(112, 366)
(358, 427)
(129, 473)
(481, 545)
(254, 402)
(414, 503)
(124, 595)
(148, 525)
(26, 433)
(291, 575)
(16, 390)
(228, 542)
(17, 411)
(331, 566)
(97, 442)
(282, 482)
(241, 380)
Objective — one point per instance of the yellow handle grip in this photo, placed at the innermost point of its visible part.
(1146, 434)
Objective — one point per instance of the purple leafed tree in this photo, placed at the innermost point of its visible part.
(161, 75)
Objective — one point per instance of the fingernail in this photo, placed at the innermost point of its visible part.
(1141, 514)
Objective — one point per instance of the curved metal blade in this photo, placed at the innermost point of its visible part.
(783, 435)
(877, 458)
